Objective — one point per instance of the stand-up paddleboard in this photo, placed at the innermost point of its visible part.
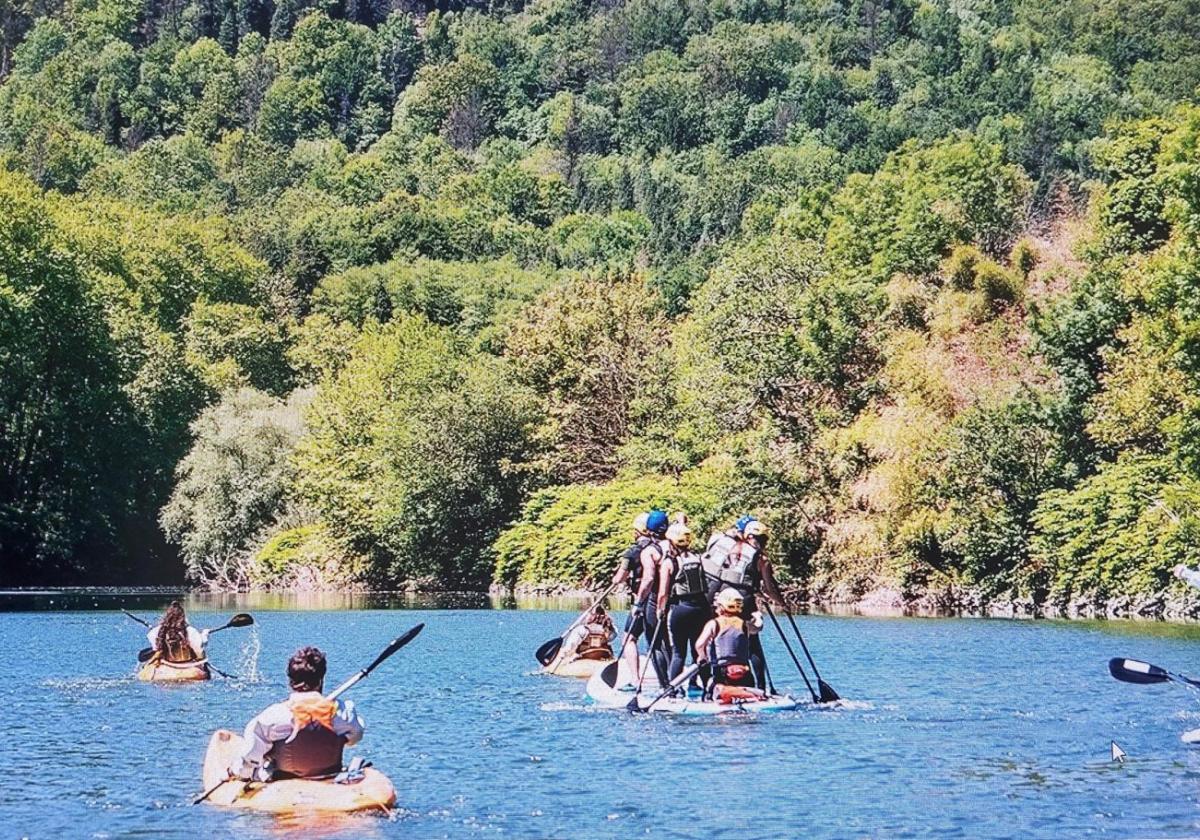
(1192, 736)
(373, 792)
(602, 691)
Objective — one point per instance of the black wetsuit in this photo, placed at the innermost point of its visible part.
(689, 612)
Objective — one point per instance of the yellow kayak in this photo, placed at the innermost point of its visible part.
(582, 668)
(291, 796)
(156, 670)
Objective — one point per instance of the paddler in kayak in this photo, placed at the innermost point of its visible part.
(682, 596)
(176, 641)
(724, 647)
(590, 640)
(302, 737)
(740, 563)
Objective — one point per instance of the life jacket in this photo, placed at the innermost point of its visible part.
(729, 650)
(733, 562)
(689, 583)
(313, 750)
(595, 644)
(632, 560)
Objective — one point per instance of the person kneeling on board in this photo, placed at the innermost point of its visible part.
(724, 647)
(590, 640)
(302, 737)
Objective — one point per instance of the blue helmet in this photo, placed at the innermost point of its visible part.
(656, 522)
(743, 520)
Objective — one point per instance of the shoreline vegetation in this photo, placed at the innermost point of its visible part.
(442, 294)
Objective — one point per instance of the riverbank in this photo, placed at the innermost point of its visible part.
(941, 602)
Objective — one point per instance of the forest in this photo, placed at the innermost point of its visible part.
(438, 295)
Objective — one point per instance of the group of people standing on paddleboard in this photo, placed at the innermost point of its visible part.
(702, 606)
(298, 738)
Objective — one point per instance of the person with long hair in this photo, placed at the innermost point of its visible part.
(174, 639)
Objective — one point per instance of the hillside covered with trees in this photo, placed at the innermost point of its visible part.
(388, 292)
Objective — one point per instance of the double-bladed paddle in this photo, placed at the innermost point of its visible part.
(394, 646)
(239, 620)
(549, 649)
(1143, 673)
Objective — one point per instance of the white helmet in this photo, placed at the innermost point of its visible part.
(679, 535)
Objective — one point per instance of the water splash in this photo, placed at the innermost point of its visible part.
(247, 662)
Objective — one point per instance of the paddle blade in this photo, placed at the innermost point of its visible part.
(634, 706)
(609, 675)
(241, 620)
(548, 651)
(1134, 671)
(144, 654)
(828, 695)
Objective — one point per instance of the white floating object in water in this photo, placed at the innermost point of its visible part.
(1192, 736)
(1118, 754)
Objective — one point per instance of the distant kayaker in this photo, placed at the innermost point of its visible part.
(643, 614)
(590, 640)
(683, 591)
(303, 736)
(740, 563)
(174, 640)
(1187, 575)
(724, 645)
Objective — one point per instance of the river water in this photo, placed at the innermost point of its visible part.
(971, 728)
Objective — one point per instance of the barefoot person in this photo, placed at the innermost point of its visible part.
(302, 737)
(176, 641)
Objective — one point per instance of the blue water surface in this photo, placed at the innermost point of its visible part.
(966, 728)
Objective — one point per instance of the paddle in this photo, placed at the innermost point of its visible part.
(788, 645)
(140, 621)
(658, 626)
(686, 675)
(1143, 673)
(395, 645)
(828, 695)
(239, 620)
(549, 650)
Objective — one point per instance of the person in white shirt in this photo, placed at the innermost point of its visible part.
(174, 640)
(302, 737)
(1187, 575)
